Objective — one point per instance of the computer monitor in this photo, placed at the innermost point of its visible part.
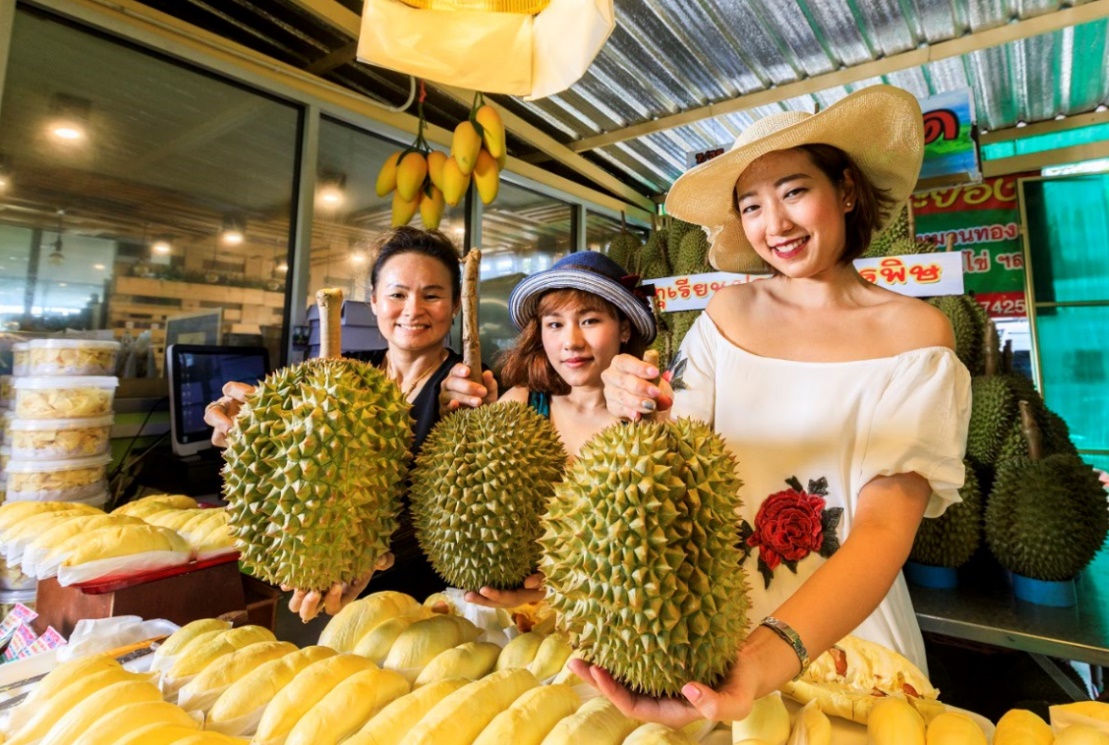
(196, 376)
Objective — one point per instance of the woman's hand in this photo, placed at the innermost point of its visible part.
(629, 390)
(221, 413)
(308, 603)
(730, 703)
(457, 390)
(531, 592)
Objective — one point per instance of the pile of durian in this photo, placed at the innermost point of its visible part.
(1040, 508)
(45, 539)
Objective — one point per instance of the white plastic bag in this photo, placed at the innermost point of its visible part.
(123, 565)
(96, 635)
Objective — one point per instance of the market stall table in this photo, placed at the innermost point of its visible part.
(987, 612)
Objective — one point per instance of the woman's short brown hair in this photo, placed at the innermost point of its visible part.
(872, 206)
(526, 363)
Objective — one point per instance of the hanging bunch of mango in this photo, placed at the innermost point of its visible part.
(422, 179)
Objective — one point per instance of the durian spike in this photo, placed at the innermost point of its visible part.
(330, 303)
(990, 349)
(1031, 431)
(471, 344)
(1007, 357)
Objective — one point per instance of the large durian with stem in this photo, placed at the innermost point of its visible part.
(1047, 516)
(894, 233)
(993, 407)
(315, 465)
(641, 559)
(623, 248)
(676, 231)
(968, 321)
(483, 479)
(952, 538)
(693, 254)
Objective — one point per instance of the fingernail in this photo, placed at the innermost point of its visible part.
(649, 405)
(653, 372)
(653, 392)
(692, 692)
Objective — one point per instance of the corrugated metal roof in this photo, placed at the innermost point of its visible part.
(671, 56)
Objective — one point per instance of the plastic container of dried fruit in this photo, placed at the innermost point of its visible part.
(8, 599)
(65, 397)
(5, 456)
(13, 578)
(6, 391)
(6, 419)
(72, 357)
(59, 438)
(57, 480)
(21, 357)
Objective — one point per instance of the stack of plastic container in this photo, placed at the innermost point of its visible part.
(57, 430)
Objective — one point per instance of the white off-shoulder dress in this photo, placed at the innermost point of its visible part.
(808, 436)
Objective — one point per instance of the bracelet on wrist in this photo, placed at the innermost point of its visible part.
(790, 637)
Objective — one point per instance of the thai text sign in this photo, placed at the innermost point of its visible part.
(922, 275)
(984, 221)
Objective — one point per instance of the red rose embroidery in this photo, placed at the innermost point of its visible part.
(789, 526)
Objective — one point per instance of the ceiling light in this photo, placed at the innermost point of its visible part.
(330, 191)
(56, 257)
(357, 257)
(4, 182)
(69, 116)
(233, 230)
(283, 267)
(162, 246)
(63, 284)
(99, 267)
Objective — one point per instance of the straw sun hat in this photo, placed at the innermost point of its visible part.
(880, 127)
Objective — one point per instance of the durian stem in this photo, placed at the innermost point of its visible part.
(1031, 431)
(471, 344)
(949, 243)
(623, 222)
(651, 358)
(910, 218)
(1007, 357)
(989, 349)
(330, 303)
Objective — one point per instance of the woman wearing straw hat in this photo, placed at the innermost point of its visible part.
(844, 403)
(574, 318)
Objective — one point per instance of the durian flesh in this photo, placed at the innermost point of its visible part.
(480, 485)
(640, 555)
(314, 470)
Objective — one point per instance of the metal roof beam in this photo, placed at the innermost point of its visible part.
(972, 42)
(332, 12)
(1042, 128)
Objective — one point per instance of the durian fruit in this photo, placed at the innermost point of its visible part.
(421, 642)
(676, 231)
(993, 407)
(13, 513)
(462, 715)
(520, 651)
(391, 725)
(531, 717)
(893, 721)
(623, 248)
(114, 725)
(1090, 709)
(357, 619)
(658, 734)
(256, 689)
(55, 682)
(471, 660)
(680, 323)
(640, 555)
(195, 658)
(1046, 518)
(663, 345)
(896, 232)
(812, 727)
(653, 259)
(303, 692)
(597, 722)
(375, 645)
(315, 466)
(482, 480)
(953, 728)
(347, 707)
(693, 253)
(1022, 727)
(156, 734)
(952, 538)
(1081, 734)
(768, 722)
(1055, 435)
(156, 503)
(205, 689)
(968, 321)
(551, 656)
(98, 708)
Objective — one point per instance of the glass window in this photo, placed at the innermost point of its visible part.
(349, 215)
(137, 189)
(523, 232)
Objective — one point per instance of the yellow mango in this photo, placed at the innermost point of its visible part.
(435, 162)
(465, 146)
(486, 177)
(431, 208)
(387, 176)
(411, 174)
(492, 130)
(455, 182)
(404, 209)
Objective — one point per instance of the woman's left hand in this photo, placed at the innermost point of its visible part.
(308, 603)
(729, 704)
(458, 391)
(531, 592)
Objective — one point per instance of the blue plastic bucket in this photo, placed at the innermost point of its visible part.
(1042, 592)
(937, 578)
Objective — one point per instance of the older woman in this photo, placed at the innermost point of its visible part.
(844, 402)
(416, 294)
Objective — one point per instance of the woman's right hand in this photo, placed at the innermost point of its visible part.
(221, 413)
(457, 390)
(631, 391)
